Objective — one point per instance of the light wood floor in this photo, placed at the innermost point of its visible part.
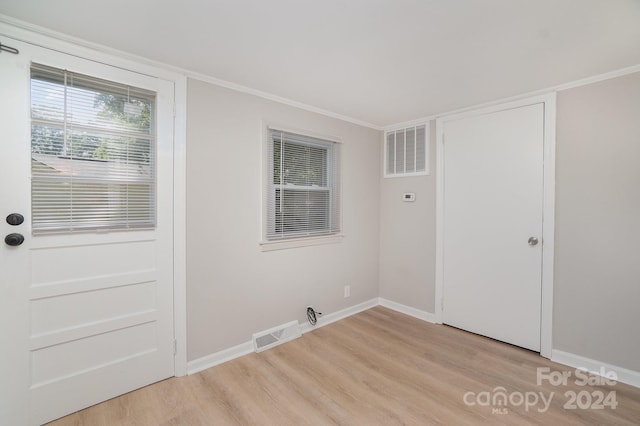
(378, 367)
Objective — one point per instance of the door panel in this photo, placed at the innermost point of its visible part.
(86, 316)
(493, 181)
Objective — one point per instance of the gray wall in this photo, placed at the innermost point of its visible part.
(597, 265)
(233, 288)
(407, 237)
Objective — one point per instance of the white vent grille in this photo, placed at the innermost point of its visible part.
(406, 151)
(276, 336)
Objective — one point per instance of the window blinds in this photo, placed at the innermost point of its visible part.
(92, 153)
(303, 186)
(406, 151)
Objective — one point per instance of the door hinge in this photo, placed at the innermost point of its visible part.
(175, 347)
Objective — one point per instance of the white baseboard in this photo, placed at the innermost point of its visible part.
(337, 316)
(246, 348)
(627, 376)
(576, 361)
(214, 359)
(408, 310)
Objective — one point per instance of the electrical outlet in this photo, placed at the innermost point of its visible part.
(347, 291)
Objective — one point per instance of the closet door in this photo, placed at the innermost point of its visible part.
(493, 207)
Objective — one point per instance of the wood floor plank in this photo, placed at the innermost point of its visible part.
(378, 367)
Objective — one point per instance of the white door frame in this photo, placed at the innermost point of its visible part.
(548, 215)
(48, 39)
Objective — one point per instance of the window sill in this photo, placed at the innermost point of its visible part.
(300, 242)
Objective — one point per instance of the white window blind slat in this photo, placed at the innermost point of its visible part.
(303, 193)
(92, 153)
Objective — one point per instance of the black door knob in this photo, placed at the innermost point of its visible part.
(14, 239)
(15, 219)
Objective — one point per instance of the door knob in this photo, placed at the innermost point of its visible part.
(15, 219)
(532, 241)
(14, 239)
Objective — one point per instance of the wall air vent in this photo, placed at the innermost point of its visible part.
(275, 336)
(406, 151)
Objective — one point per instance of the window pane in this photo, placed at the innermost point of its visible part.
(304, 165)
(63, 205)
(108, 111)
(47, 139)
(93, 153)
(277, 159)
(47, 99)
(87, 101)
(302, 212)
(303, 191)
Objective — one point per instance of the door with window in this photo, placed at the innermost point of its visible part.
(86, 207)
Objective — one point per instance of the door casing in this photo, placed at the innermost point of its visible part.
(549, 101)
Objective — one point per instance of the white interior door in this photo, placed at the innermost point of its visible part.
(492, 231)
(85, 315)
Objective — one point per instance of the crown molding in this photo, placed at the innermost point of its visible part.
(35, 34)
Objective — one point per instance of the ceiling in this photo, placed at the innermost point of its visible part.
(378, 61)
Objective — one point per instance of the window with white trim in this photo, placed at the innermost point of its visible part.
(406, 151)
(92, 153)
(303, 186)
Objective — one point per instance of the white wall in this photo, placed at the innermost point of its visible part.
(407, 237)
(233, 288)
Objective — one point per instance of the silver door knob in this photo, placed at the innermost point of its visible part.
(532, 241)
